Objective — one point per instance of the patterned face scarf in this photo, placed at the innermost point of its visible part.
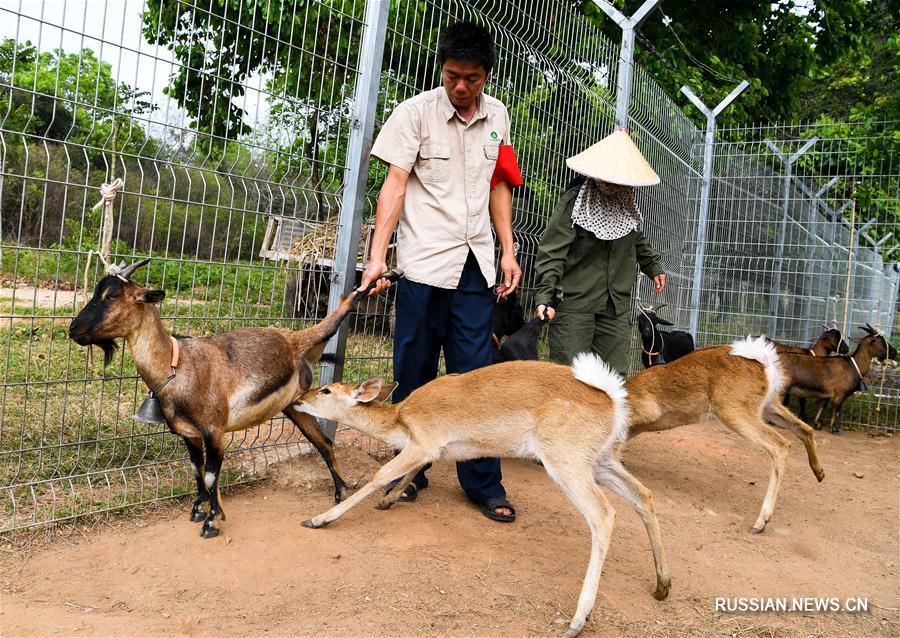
(607, 210)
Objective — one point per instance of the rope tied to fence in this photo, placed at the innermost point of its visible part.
(108, 194)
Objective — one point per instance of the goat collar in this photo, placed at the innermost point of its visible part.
(652, 354)
(856, 365)
(176, 350)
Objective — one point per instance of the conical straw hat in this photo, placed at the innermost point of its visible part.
(614, 159)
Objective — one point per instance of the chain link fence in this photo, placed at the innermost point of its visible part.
(233, 126)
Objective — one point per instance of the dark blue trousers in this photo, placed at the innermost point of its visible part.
(459, 321)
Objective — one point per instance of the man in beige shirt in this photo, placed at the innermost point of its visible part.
(441, 147)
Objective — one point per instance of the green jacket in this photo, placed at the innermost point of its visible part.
(590, 270)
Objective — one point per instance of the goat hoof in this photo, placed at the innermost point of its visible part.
(820, 475)
(209, 532)
(757, 530)
(340, 495)
(817, 426)
(835, 431)
(384, 504)
(573, 630)
(662, 590)
(309, 523)
(197, 516)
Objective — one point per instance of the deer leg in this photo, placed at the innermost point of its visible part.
(609, 472)
(409, 459)
(779, 415)
(308, 425)
(195, 450)
(577, 483)
(391, 497)
(214, 442)
(754, 430)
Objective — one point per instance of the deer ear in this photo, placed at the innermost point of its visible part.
(150, 296)
(386, 391)
(367, 391)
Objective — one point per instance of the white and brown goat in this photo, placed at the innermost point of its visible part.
(226, 382)
(738, 385)
(835, 379)
(570, 418)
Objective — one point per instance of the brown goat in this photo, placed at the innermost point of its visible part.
(828, 342)
(736, 385)
(222, 383)
(570, 418)
(835, 378)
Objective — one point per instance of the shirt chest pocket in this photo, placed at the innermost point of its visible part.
(433, 163)
(491, 152)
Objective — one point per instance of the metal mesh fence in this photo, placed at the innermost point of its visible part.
(231, 123)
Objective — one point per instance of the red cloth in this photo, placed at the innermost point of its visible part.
(507, 168)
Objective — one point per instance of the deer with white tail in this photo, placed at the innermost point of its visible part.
(737, 385)
(572, 419)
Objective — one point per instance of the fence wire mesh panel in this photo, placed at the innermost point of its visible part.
(231, 125)
(803, 232)
(227, 123)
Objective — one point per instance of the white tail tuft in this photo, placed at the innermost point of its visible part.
(594, 371)
(762, 350)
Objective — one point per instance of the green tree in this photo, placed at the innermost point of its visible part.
(71, 97)
(711, 45)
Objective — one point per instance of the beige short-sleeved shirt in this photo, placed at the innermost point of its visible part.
(445, 212)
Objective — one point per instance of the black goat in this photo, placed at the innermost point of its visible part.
(521, 343)
(661, 347)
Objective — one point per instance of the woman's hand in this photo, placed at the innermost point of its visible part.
(550, 312)
(660, 281)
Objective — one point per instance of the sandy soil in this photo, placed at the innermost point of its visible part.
(438, 567)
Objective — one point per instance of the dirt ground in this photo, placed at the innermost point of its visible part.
(437, 567)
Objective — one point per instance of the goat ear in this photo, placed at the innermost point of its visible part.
(367, 391)
(386, 391)
(150, 296)
(663, 322)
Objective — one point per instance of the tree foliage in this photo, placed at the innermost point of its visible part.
(711, 45)
(69, 96)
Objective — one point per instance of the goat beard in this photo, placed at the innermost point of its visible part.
(109, 348)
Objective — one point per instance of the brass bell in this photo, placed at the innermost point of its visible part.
(150, 411)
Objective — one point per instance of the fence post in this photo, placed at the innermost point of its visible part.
(788, 162)
(365, 102)
(854, 266)
(626, 53)
(708, 147)
(815, 199)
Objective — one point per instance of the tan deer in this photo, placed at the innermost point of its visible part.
(738, 385)
(570, 418)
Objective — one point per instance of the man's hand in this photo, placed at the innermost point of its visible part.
(551, 313)
(660, 281)
(511, 275)
(373, 272)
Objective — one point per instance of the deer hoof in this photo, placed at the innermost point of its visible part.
(662, 590)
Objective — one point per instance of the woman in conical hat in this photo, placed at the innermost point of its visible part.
(590, 248)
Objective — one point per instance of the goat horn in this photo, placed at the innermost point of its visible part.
(663, 305)
(126, 272)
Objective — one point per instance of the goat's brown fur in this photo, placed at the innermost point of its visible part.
(223, 383)
(527, 409)
(833, 379)
(713, 384)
